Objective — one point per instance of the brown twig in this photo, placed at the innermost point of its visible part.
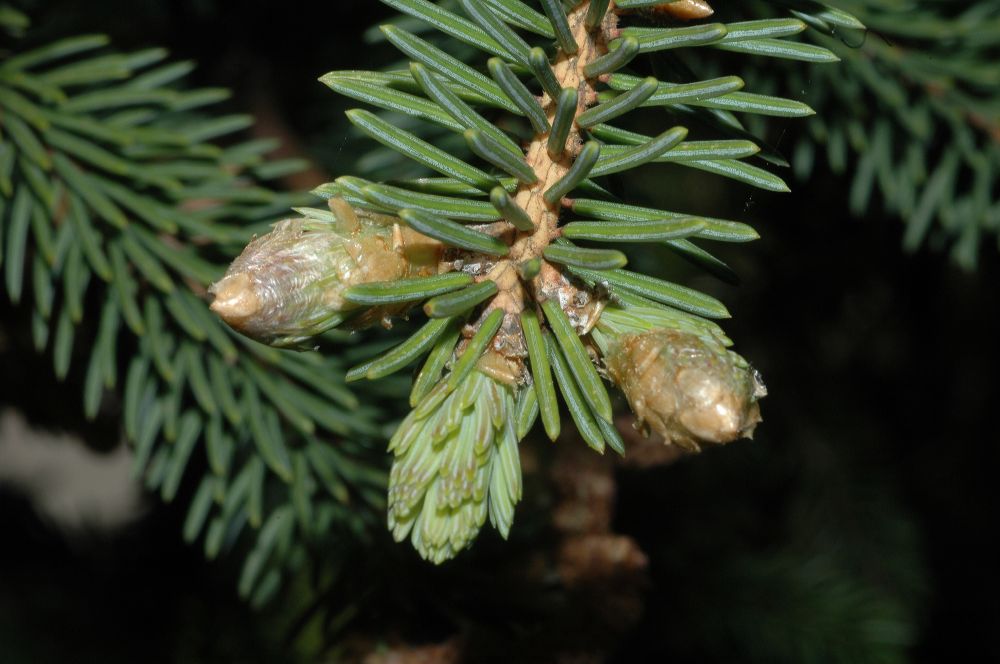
(512, 293)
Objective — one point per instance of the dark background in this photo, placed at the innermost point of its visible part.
(871, 482)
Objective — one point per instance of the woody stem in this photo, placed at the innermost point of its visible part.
(512, 293)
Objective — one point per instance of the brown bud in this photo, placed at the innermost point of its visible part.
(685, 10)
(686, 389)
(288, 285)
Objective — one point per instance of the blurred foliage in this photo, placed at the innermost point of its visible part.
(911, 118)
(118, 210)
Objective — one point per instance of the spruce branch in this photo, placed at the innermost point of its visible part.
(527, 308)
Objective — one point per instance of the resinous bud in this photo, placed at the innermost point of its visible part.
(685, 388)
(288, 285)
(685, 10)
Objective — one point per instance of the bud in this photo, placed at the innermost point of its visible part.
(685, 387)
(685, 10)
(288, 285)
(456, 463)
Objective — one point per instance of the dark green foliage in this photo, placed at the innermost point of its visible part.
(913, 120)
(121, 199)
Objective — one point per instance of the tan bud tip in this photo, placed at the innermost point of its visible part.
(686, 10)
(346, 218)
(687, 390)
(714, 411)
(235, 299)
